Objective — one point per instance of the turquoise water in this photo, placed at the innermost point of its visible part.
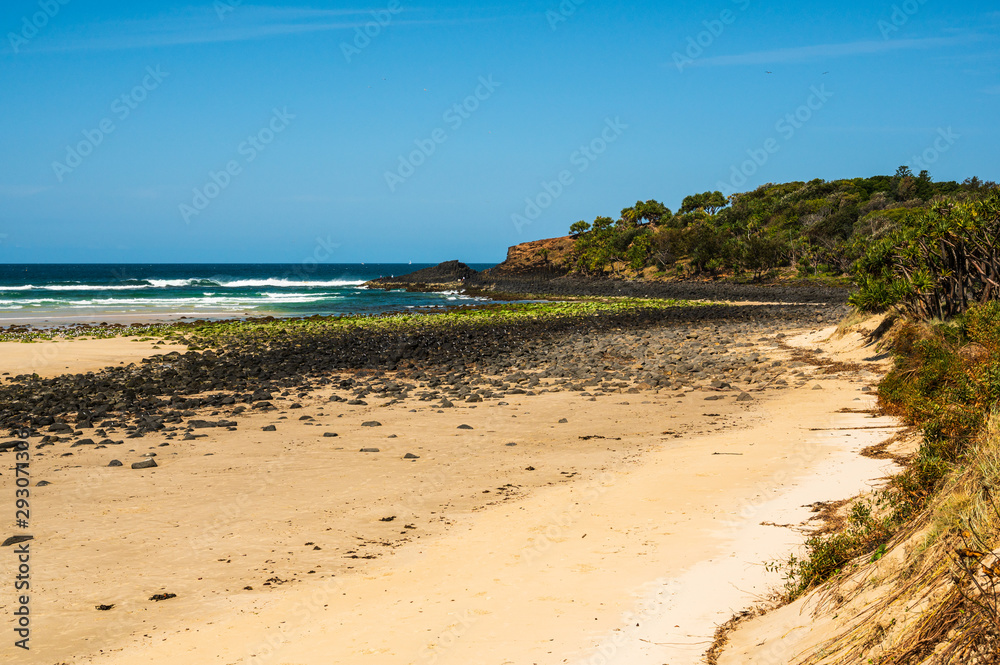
(205, 291)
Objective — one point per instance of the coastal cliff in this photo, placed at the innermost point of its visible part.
(549, 257)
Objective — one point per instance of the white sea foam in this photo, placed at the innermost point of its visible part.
(286, 283)
(194, 281)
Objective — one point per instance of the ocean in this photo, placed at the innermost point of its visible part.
(87, 292)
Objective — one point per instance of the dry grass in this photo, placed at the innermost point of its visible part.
(903, 442)
(827, 366)
(853, 321)
(940, 605)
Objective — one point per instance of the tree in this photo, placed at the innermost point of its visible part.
(578, 228)
(602, 225)
(594, 249)
(691, 203)
(630, 217)
(668, 245)
(977, 186)
(652, 211)
(925, 185)
(714, 201)
(761, 255)
(942, 261)
(710, 202)
(639, 250)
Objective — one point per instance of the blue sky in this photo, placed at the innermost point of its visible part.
(279, 132)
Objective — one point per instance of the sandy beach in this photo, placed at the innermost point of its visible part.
(53, 358)
(622, 525)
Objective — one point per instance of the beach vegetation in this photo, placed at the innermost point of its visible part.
(939, 517)
(862, 227)
(936, 262)
(211, 334)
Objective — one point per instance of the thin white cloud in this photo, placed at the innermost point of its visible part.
(826, 51)
(204, 25)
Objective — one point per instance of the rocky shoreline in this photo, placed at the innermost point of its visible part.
(502, 283)
(644, 348)
(340, 442)
(712, 291)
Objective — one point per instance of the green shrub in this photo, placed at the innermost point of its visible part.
(950, 397)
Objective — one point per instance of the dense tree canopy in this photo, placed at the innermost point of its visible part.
(938, 262)
(817, 227)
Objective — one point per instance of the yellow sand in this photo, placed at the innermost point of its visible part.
(504, 564)
(52, 358)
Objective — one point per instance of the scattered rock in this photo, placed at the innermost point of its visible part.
(411, 456)
(269, 428)
(369, 450)
(115, 462)
(146, 464)
(464, 427)
(162, 596)
(371, 423)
